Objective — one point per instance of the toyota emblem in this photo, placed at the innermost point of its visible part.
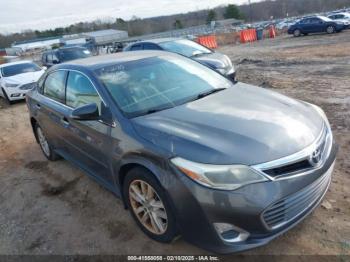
(316, 157)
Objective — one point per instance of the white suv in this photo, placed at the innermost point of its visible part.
(17, 78)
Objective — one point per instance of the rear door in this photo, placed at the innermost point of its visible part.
(319, 24)
(51, 109)
(89, 141)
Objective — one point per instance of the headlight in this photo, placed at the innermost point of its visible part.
(11, 84)
(225, 177)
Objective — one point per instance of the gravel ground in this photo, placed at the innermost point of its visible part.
(53, 208)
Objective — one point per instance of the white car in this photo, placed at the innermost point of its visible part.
(17, 78)
(341, 17)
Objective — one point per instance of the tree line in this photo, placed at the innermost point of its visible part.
(259, 11)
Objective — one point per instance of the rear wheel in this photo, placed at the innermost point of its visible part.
(45, 145)
(330, 29)
(149, 205)
(297, 33)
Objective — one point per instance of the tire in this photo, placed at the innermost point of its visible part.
(297, 33)
(134, 179)
(47, 149)
(330, 29)
(6, 97)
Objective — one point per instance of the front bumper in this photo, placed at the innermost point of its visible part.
(16, 93)
(197, 208)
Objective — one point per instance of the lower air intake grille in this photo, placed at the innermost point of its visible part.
(289, 208)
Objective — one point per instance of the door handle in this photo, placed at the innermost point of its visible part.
(38, 106)
(65, 121)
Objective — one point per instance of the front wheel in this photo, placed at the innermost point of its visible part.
(149, 205)
(6, 97)
(330, 29)
(297, 33)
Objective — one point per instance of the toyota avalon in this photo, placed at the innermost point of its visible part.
(228, 166)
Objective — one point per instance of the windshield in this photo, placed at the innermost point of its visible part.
(72, 54)
(12, 70)
(156, 83)
(185, 47)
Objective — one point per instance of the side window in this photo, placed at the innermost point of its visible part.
(54, 57)
(136, 47)
(54, 86)
(150, 46)
(40, 83)
(80, 91)
(49, 58)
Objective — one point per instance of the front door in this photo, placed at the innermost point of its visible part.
(89, 141)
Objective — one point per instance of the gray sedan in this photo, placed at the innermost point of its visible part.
(227, 166)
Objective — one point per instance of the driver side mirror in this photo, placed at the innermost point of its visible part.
(86, 113)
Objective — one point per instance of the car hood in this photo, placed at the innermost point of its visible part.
(214, 60)
(25, 78)
(240, 125)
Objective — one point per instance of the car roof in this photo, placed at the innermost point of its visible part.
(95, 62)
(16, 63)
(160, 40)
(65, 48)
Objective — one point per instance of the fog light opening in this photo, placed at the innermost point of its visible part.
(230, 233)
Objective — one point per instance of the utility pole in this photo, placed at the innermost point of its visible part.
(250, 10)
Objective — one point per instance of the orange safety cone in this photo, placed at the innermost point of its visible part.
(272, 32)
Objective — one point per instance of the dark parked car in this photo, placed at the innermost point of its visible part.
(191, 49)
(65, 54)
(315, 24)
(228, 166)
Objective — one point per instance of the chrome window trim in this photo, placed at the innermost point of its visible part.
(299, 156)
(69, 107)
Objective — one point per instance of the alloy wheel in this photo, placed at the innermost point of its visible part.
(43, 142)
(330, 30)
(148, 207)
(297, 33)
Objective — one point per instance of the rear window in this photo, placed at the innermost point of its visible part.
(73, 54)
(12, 70)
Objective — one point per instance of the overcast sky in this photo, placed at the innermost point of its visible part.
(17, 15)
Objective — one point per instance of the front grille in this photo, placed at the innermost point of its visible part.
(302, 163)
(289, 208)
(287, 169)
(27, 86)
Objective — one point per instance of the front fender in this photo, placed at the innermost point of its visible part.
(157, 165)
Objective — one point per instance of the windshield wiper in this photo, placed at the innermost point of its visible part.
(199, 54)
(210, 92)
(155, 110)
